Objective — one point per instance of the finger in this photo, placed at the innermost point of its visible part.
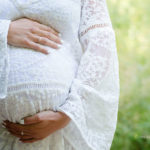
(46, 34)
(36, 47)
(20, 136)
(19, 127)
(45, 41)
(17, 135)
(47, 28)
(27, 129)
(31, 120)
(26, 137)
(18, 132)
(30, 140)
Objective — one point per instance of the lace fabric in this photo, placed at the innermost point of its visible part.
(93, 101)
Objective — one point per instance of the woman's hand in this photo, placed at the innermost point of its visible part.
(28, 33)
(38, 126)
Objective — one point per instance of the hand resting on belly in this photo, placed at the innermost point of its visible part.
(28, 33)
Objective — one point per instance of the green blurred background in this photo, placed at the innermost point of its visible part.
(131, 21)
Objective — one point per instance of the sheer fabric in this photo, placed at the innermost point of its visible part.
(93, 100)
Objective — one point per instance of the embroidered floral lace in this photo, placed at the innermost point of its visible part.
(92, 103)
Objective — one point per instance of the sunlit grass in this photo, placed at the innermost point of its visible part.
(131, 21)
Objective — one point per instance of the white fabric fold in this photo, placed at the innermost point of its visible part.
(4, 57)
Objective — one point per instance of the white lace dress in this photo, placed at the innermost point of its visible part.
(80, 79)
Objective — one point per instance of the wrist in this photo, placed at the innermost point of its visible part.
(63, 117)
(9, 33)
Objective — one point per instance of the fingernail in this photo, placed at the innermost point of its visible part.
(47, 52)
(62, 41)
(4, 123)
(59, 34)
(59, 45)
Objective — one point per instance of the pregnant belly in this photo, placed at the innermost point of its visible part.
(37, 82)
(32, 66)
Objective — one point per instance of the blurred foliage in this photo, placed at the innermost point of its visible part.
(131, 21)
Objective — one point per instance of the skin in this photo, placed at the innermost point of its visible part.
(38, 126)
(26, 33)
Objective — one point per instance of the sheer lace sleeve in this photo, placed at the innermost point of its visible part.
(4, 26)
(92, 103)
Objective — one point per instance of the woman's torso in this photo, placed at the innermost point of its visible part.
(34, 71)
(27, 65)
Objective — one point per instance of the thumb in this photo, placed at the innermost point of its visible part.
(31, 120)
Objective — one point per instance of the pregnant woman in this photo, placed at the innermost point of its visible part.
(59, 76)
